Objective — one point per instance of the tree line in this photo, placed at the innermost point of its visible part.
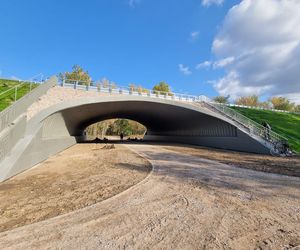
(275, 102)
(115, 127)
(78, 74)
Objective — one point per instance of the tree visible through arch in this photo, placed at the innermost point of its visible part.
(114, 127)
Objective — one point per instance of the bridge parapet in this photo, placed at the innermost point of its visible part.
(70, 90)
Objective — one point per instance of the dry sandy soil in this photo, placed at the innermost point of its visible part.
(278, 165)
(78, 177)
(186, 202)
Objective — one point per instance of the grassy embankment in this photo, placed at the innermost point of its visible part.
(285, 124)
(8, 98)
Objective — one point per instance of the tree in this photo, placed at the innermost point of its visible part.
(162, 87)
(122, 126)
(105, 82)
(132, 87)
(265, 105)
(297, 109)
(282, 103)
(248, 101)
(99, 129)
(221, 99)
(77, 74)
(125, 126)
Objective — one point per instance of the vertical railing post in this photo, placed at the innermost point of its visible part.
(16, 90)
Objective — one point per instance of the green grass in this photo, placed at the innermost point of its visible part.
(9, 97)
(285, 124)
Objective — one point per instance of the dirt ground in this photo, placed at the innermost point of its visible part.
(186, 202)
(278, 165)
(80, 176)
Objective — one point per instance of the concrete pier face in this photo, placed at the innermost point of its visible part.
(62, 125)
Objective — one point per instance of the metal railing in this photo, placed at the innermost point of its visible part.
(11, 113)
(15, 89)
(244, 123)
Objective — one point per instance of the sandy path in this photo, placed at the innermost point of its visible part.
(186, 203)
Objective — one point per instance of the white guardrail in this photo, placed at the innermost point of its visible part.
(261, 108)
(138, 91)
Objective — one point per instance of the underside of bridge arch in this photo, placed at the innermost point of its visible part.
(164, 122)
(160, 119)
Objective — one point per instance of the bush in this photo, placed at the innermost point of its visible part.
(221, 99)
(282, 103)
(248, 101)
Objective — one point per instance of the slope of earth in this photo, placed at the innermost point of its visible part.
(285, 124)
(7, 91)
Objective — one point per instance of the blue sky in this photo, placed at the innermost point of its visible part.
(226, 47)
(141, 41)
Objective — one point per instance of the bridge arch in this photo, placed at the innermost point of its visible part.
(165, 121)
(162, 118)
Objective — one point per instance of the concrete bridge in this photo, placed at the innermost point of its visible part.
(53, 117)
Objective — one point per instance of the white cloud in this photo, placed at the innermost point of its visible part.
(223, 62)
(262, 38)
(205, 64)
(216, 64)
(293, 97)
(194, 35)
(211, 2)
(133, 3)
(184, 69)
(231, 85)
